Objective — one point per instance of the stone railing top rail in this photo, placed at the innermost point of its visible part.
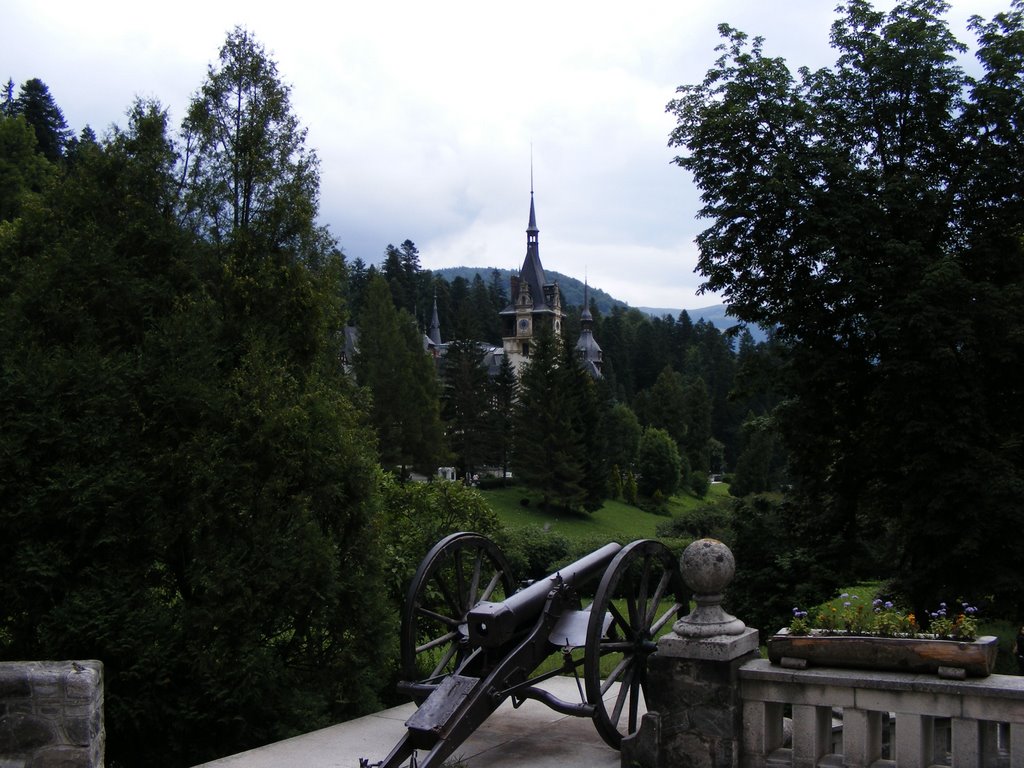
(761, 671)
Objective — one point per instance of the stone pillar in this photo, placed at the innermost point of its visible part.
(51, 714)
(695, 715)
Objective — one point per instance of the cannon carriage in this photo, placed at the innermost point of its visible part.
(471, 640)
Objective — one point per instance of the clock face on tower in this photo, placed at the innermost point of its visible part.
(524, 326)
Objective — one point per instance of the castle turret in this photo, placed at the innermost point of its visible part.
(587, 348)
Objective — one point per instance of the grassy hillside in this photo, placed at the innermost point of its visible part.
(615, 521)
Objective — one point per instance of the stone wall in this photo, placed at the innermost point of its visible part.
(51, 714)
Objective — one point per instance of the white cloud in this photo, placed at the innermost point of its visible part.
(424, 114)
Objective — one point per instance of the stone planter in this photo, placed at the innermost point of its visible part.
(948, 658)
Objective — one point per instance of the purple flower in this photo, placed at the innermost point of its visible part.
(888, 605)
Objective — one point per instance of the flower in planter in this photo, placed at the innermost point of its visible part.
(885, 619)
(890, 621)
(800, 625)
(955, 625)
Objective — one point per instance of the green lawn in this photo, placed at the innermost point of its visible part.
(615, 521)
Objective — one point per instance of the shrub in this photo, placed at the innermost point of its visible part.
(706, 521)
(418, 515)
(699, 483)
(532, 550)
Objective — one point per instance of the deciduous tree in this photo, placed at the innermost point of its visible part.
(23, 171)
(871, 212)
(623, 437)
(659, 462)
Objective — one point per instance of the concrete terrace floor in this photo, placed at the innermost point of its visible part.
(532, 735)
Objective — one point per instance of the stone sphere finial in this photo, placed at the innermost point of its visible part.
(708, 567)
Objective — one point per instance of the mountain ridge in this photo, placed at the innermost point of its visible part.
(573, 292)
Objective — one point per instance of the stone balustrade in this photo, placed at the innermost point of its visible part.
(860, 719)
(713, 703)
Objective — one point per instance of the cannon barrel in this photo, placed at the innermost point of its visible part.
(493, 624)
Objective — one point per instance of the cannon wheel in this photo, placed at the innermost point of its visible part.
(460, 571)
(643, 591)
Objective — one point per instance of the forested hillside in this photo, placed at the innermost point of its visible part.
(671, 372)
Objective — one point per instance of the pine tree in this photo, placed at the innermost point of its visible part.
(548, 448)
(253, 185)
(504, 390)
(37, 106)
(392, 364)
(468, 406)
(588, 423)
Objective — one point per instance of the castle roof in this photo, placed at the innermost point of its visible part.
(532, 276)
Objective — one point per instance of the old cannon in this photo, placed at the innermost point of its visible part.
(470, 640)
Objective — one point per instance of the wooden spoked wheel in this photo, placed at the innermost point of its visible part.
(643, 591)
(460, 571)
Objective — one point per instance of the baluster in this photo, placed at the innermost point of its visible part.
(762, 729)
(915, 737)
(1016, 743)
(975, 743)
(966, 743)
(812, 734)
(862, 737)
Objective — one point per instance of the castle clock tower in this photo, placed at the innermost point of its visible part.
(535, 302)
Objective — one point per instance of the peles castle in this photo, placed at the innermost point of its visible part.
(535, 304)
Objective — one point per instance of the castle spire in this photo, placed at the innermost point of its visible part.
(586, 318)
(587, 348)
(435, 325)
(532, 273)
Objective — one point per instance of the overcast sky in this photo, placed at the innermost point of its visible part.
(424, 113)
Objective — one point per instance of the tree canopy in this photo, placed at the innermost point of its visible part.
(188, 487)
(871, 213)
